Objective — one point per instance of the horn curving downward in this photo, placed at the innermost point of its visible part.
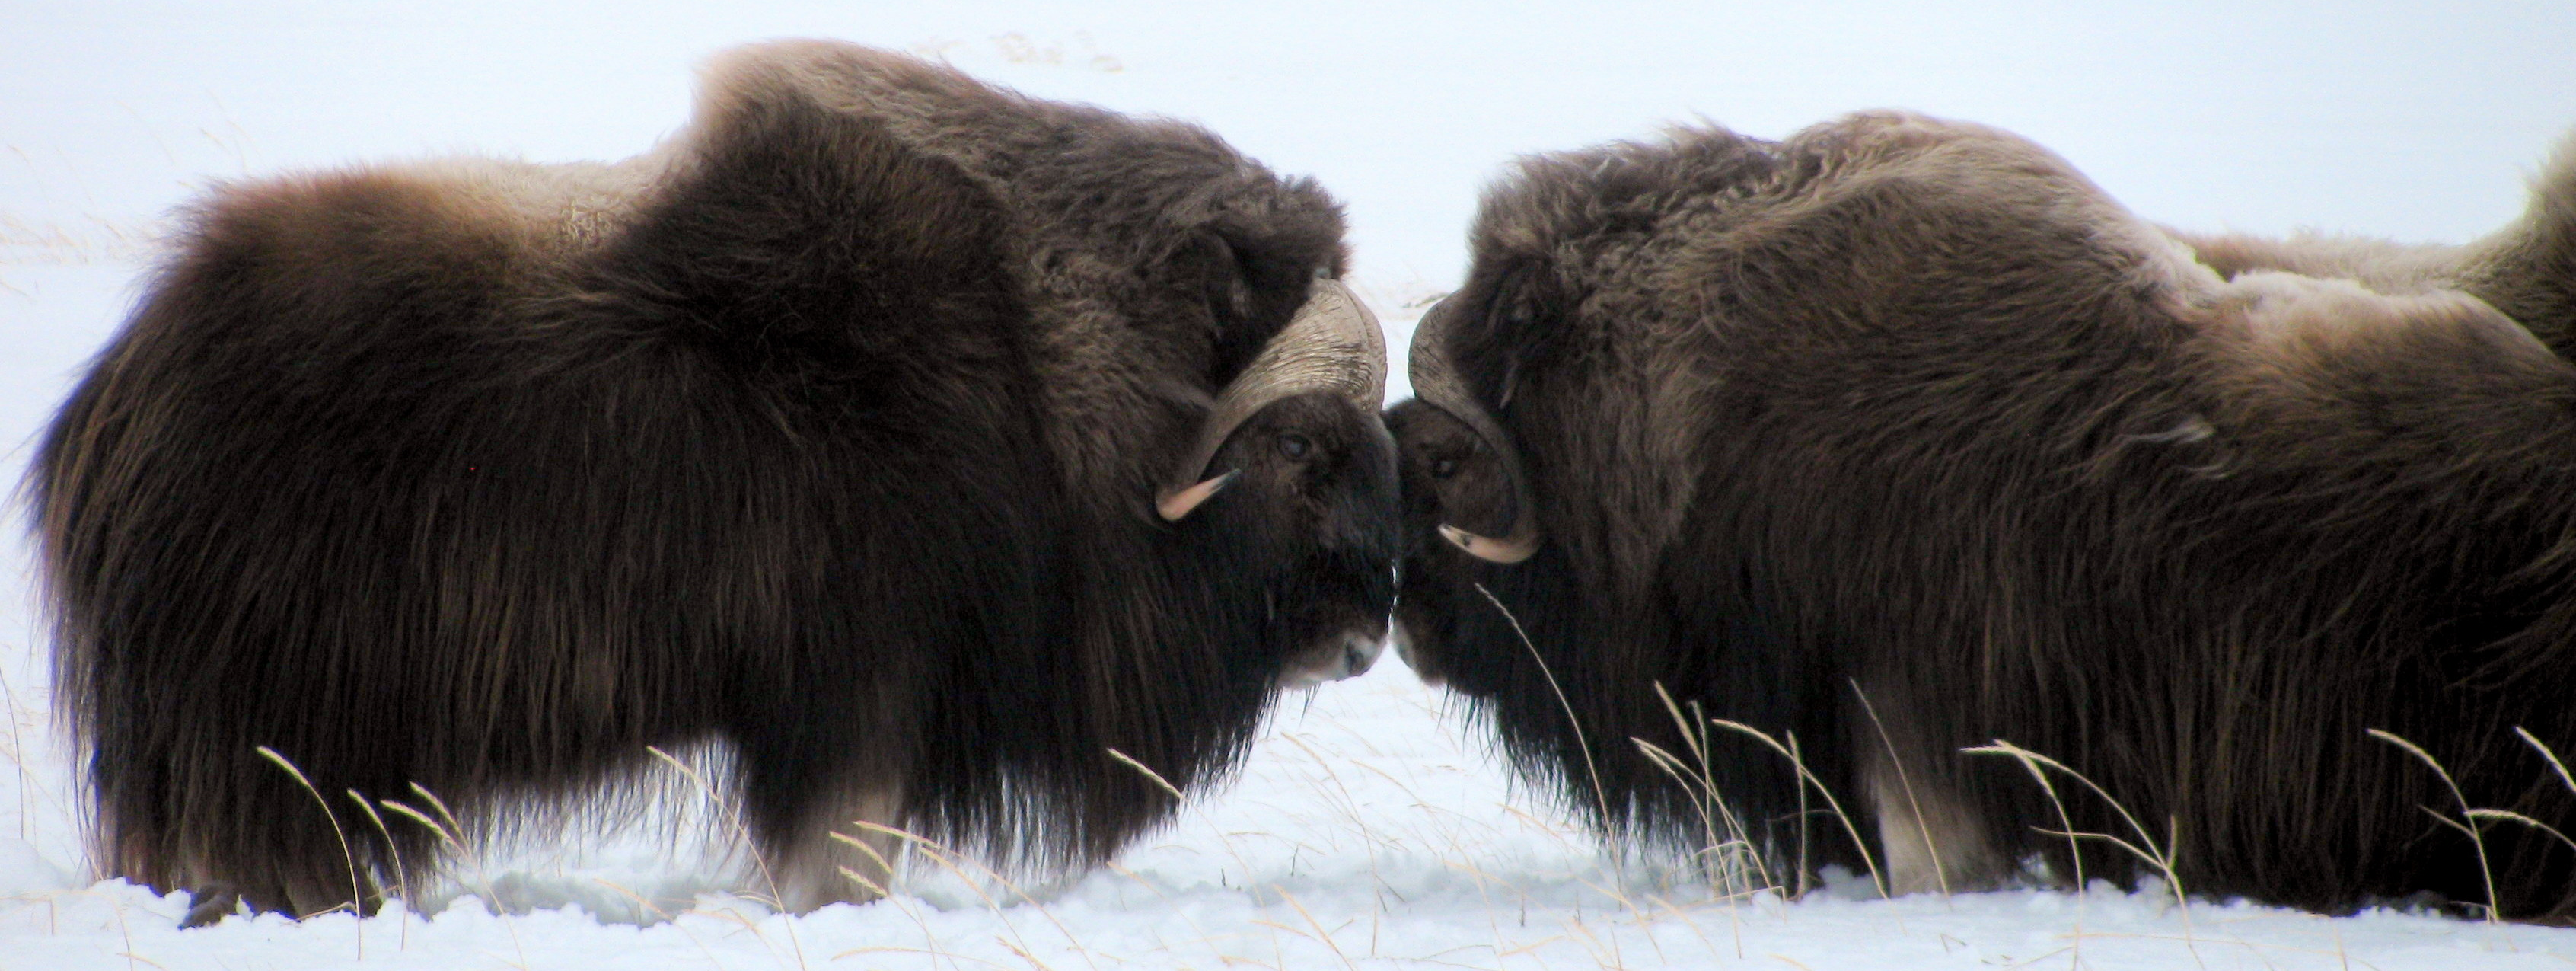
(1435, 380)
(1332, 344)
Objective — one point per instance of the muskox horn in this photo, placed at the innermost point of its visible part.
(1332, 344)
(1435, 380)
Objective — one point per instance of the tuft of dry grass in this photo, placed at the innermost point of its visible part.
(1569, 909)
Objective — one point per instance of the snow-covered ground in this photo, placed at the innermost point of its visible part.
(1370, 828)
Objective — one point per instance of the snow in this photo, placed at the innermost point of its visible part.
(1371, 827)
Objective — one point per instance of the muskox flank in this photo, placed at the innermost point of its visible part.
(1906, 416)
(874, 426)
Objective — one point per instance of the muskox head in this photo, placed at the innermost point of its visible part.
(1898, 437)
(1518, 353)
(1206, 385)
(1310, 471)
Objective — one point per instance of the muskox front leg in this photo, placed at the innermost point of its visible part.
(840, 853)
(1930, 840)
(818, 794)
(242, 833)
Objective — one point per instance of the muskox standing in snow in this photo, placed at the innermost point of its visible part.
(1900, 437)
(875, 425)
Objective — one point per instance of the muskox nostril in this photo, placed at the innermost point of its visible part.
(1360, 652)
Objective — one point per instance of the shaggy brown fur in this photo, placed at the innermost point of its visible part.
(830, 430)
(1907, 410)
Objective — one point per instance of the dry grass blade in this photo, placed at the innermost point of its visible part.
(732, 816)
(1730, 863)
(2160, 857)
(451, 833)
(2066, 823)
(1149, 772)
(2510, 816)
(1600, 795)
(1876, 878)
(456, 829)
(1321, 935)
(733, 821)
(402, 877)
(2556, 766)
(2476, 837)
(357, 898)
(1618, 839)
(2146, 848)
(1721, 828)
(2547, 753)
(948, 859)
(1940, 874)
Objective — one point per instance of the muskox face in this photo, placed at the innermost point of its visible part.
(1310, 489)
(1449, 478)
(1469, 513)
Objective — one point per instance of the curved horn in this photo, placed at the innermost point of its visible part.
(1435, 380)
(1332, 344)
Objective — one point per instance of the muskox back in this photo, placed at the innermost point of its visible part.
(831, 430)
(1901, 438)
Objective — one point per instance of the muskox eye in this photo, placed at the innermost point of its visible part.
(1294, 446)
(1443, 467)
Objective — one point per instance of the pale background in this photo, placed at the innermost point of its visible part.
(1370, 828)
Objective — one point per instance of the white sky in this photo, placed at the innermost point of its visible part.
(2384, 119)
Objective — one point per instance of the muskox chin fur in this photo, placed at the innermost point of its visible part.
(1900, 437)
(828, 429)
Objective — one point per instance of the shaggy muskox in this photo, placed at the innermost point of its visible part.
(874, 426)
(1898, 437)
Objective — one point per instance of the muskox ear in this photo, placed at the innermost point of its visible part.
(1251, 286)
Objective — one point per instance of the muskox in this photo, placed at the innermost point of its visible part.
(1898, 437)
(917, 441)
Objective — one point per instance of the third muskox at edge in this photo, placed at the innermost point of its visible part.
(1901, 445)
(957, 457)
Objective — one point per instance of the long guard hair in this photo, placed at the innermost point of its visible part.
(832, 429)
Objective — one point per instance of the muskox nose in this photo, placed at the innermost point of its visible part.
(1360, 652)
(1407, 652)
(1345, 655)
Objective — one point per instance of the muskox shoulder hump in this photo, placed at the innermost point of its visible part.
(801, 223)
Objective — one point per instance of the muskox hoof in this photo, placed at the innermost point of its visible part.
(1348, 655)
(210, 904)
